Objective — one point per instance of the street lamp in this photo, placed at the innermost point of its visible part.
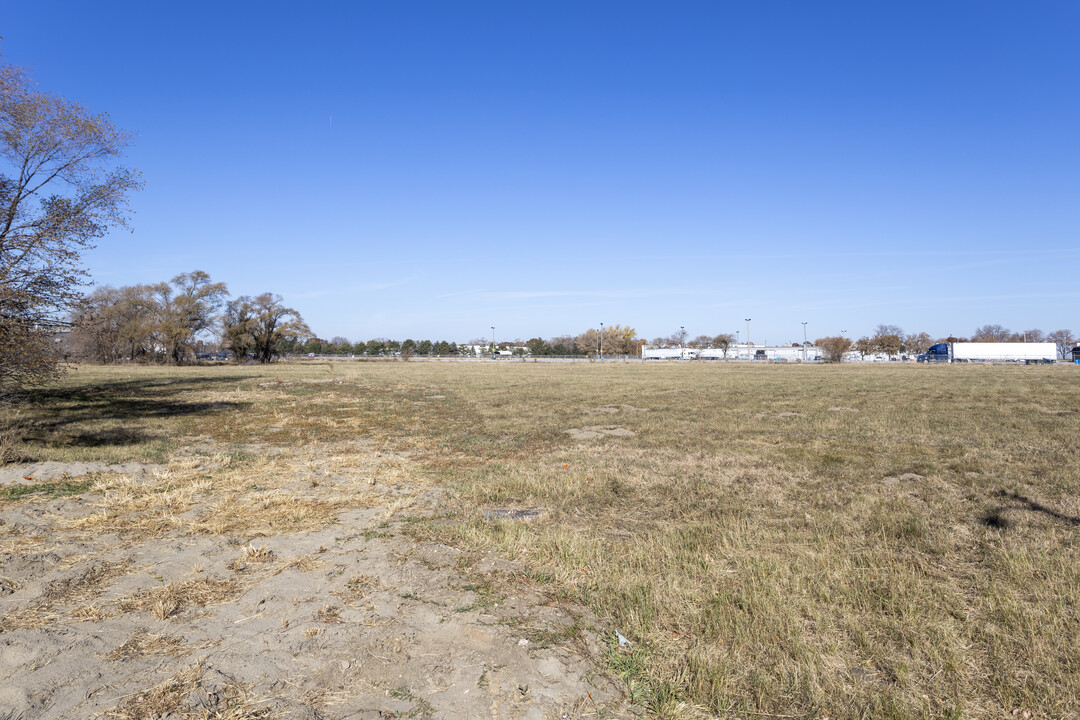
(748, 339)
(492, 342)
(601, 352)
(804, 342)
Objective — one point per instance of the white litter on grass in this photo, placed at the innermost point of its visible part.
(623, 642)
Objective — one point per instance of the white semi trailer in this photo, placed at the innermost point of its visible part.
(657, 353)
(1028, 353)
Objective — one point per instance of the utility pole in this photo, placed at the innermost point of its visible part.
(601, 353)
(804, 342)
(493, 353)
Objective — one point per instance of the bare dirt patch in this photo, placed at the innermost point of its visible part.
(591, 432)
(613, 409)
(47, 471)
(285, 589)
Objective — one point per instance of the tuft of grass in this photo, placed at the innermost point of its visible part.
(229, 701)
(143, 644)
(169, 600)
(46, 490)
(329, 614)
(67, 598)
(258, 554)
(422, 709)
(359, 587)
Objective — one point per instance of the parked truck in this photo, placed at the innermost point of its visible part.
(1027, 353)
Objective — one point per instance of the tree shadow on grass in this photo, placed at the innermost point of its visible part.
(997, 519)
(115, 413)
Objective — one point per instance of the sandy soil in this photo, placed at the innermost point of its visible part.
(351, 619)
(591, 432)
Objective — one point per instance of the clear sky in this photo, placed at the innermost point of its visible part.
(430, 169)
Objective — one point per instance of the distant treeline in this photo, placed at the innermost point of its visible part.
(891, 340)
(177, 320)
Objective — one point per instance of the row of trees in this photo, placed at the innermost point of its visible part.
(614, 339)
(163, 322)
(891, 340)
(623, 340)
(372, 348)
(723, 341)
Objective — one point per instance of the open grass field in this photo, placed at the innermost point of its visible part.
(776, 541)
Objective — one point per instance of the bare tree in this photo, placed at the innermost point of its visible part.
(990, 333)
(588, 342)
(1065, 341)
(186, 307)
(115, 324)
(701, 342)
(59, 190)
(1034, 335)
(238, 328)
(917, 342)
(723, 341)
(263, 324)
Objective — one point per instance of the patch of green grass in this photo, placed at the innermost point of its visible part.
(48, 490)
(422, 709)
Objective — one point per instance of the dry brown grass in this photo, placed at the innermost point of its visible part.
(143, 644)
(66, 599)
(172, 599)
(329, 614)
(358, 588)
(226, 498)
(798, 541)
(258, 554)
(173, 699)
(758, 550)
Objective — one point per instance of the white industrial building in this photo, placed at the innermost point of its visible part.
(744, 352)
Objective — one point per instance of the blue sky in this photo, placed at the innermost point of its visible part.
(431, 169)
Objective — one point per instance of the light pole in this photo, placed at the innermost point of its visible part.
(601, 353)
(804, 342)
(736, 344)
(750, 357)
(492, 342)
